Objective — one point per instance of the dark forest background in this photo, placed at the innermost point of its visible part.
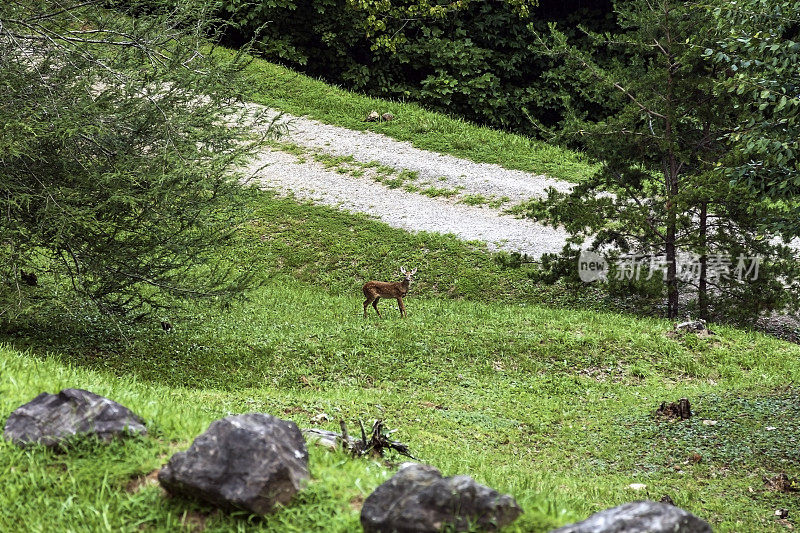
(480, 60)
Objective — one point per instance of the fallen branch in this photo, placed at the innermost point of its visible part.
(378, 441)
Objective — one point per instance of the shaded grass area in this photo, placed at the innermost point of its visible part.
(285, 243)
(288, 334)
(282, 88)
(488, 376)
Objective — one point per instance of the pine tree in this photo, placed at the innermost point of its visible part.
(119, 142)
(662, 193)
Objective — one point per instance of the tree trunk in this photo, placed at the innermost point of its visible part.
(671, 253)
(702, 295)
(670, 177)
(671, 187)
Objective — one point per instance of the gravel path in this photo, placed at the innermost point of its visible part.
(309, 179)
(436, 169)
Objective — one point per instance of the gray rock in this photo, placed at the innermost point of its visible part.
(53, 419)
(418, 499)
(639, 517)
(251, 462)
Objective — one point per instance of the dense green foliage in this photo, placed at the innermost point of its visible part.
(760, 47)
(470, 58)
(115, 174)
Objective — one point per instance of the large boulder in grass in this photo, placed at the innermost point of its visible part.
(53, 419)
(251, 462)
(639, 517)
(419, 500)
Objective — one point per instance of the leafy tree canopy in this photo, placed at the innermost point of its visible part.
(759, 45)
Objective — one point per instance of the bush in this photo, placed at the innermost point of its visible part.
(479, 60)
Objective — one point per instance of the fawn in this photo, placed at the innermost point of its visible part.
(375, 290)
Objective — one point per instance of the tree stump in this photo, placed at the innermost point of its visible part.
(676, 410)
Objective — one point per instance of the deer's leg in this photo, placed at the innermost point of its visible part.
(402, 307)
(366, 304)
(375, 305)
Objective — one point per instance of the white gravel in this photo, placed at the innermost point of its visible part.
(401, 209)
(437, 169)
(408, 210)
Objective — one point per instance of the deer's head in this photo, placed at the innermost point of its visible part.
(407, 275)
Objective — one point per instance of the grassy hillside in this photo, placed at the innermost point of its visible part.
(551, 405)
(295, 93)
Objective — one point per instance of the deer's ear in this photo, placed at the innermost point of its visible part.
(402, 270)
(413, 271)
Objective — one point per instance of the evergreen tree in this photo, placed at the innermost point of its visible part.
(662, 195)
(118, 146)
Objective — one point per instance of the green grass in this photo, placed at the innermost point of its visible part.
(487, 376)
(389, 176)
(295, 93)
(439, 192)
(478, 199)
(104, 487)
(540, 403)
(474, 199)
